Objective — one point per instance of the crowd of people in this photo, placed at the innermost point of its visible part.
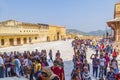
(32, 65)
(104, 62)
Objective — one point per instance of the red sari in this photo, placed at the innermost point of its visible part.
(58, 71)
(117, 76)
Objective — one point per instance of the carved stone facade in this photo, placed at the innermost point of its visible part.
(115, 23)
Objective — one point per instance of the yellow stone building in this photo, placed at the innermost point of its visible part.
(56, 33)
(18, 33)
(115, 23)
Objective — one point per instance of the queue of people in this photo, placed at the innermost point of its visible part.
(32, 65)
(81, 70)
(104, 60)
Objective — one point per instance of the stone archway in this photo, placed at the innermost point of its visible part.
(18, 41)
(25, 40)
(48, 38)
(11, 41)
(30, 39)
(58, 35)
(2, 42)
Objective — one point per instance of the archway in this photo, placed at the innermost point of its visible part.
(58, 36)
(25, 40)
(18, 41)
(11, 41)
(2, 42)
(48, 38)
(30, 39)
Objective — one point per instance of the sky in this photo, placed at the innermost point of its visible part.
(84, 15)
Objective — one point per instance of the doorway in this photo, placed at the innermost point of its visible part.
(48, 38)
(11, 41)
(2, 42)
(18, 41)
(58, 36)
(30, 39)
(24, 40)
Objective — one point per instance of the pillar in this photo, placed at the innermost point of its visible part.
(6, 40)
(116, 34)
(27, 39)
(15, 40)
(22, 41)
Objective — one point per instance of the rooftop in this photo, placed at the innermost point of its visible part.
(114, 20)
(118, 2)
(26, 23)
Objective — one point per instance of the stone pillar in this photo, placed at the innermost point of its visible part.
(27, 39)
(6, 40)
(60, 37)
(15, 41)
(22, 42)
(116, 34)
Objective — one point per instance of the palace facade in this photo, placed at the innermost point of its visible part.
(18, 33)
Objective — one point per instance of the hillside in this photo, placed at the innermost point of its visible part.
(74, 31)
(93, 33)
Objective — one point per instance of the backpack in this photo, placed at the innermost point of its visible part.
(114, 54)
(95, 62)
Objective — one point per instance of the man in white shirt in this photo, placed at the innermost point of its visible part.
(1, 66)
